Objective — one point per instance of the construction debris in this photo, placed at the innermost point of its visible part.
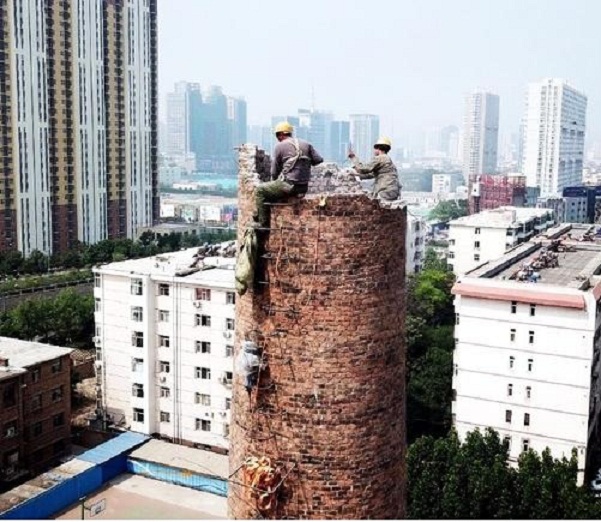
(530, 270)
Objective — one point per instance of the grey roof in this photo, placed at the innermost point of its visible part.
(192, 459)
(23, 354)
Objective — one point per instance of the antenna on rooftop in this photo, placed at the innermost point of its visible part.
(312, 97)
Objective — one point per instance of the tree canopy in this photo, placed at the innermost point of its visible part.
(451, 480)
(448, 210)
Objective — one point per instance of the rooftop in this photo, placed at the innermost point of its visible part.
(502, 217)
(21, 354)
(209, 265)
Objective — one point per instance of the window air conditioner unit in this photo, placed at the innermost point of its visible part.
(227, 334)
(222, 379)
(97, 340)
(163, 379)
(198, 304)
(10, 432)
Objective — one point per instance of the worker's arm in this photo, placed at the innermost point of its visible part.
(366, 170)
(316, 158)
(276, 163)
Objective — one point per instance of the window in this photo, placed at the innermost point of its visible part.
(97, 281)
(507, 442)
(138, 415)
(137, 365)
(165, 392)
(453, 394)
(137, 313)
(456, 318)
(202, 398)
(476, 231)
(228, 404)
(137, 339)
(10, 395)
(526, 419)
(476, 257)
(456, 368)
(203, 320)
(37, 429)
(202, 347)
(511, 361)
(508, 416)
(97, 306)
(532, 310)
(476, 244)
(451, 255)
(57, 366)
(35, 374)
(164, 341)
(165, 416)
(164, 367)
(203, 425)
(229, 350)
(230, 298)
(510, 390)
(137, 390)
(163, 289)
(136, 287)
(530, 364)
(57, 394)
(202, 373)
(514, 307)
(226, 430)
(531, 337)
(525, 444)
(203, 294)
(528, 392)
(512, 335)
(58, 420)
(36, 402)
(10, 430)
(230, 324)
(163, 316)
(228, 377)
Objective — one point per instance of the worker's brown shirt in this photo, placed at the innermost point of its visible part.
(301, 172)
(383, 170)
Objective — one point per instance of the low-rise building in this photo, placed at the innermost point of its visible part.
(35, 418)
(481, 237)
(527, 356)
(165, 341)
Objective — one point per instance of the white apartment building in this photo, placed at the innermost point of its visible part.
(365, 130)
(165, 341)
(485, 236)
(480, 133)
(526, 360)
(554, 136)
(415, 244)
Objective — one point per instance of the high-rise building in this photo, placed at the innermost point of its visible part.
(236, 116)
(449, 141)
(365, 129)
(340, 137)
(480, 134)
(554, 136)
(79, 122)
(262, 136)
(184, 105)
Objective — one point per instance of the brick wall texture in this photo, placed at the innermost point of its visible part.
(329, 408)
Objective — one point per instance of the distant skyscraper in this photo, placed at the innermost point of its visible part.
(481, 133)
(184, 106)
(340, 136)
(365, 129)
(236, 116)
(554, 136)
(449, 141)
(79, 122)
(262, 136)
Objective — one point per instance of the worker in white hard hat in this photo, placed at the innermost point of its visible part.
(290, 171)
(382, 169)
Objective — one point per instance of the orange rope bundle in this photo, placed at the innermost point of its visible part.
(263, 480)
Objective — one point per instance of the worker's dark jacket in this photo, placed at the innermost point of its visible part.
(294, 163)
(382, 169)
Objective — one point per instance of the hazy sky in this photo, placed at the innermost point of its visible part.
(410, 61)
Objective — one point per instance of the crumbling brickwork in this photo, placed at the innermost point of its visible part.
(329, 408)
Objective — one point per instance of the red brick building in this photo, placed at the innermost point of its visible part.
(35, 418)
(488, 192)
(328, 316)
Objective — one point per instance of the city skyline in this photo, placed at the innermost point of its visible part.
(426, 87)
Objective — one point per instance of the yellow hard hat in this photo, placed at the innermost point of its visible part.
(284, 127)
(383, 140)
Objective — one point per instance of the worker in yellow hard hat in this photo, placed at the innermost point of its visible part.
(382, 169)
(290, 171)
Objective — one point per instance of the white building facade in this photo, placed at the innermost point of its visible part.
(480, 133)
(554, 136)
(165, 342)
(526, 360)
(485, 236)
(415, 244)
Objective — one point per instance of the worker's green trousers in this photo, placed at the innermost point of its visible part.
(272, 192)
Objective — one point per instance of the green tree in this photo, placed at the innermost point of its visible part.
(73, 319)
(448, 210)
